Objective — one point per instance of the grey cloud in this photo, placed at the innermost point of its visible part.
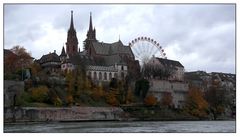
(207, 30)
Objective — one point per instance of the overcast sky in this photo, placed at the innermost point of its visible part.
(201, 37)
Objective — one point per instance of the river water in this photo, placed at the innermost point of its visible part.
(123, 127)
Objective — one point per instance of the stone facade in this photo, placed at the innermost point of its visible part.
(12, 89)
(178, 91)
(62, 114)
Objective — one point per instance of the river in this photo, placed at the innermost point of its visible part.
(123, 127)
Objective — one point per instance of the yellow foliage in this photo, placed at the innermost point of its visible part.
(98, 93)
(111, 99)
(40, 94)
(150, 100)
(130, 96)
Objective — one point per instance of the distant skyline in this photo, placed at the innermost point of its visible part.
(200, 36)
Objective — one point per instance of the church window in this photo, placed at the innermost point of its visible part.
(95, 75)
(115, 75)
(110, 76)
(100, 75)
(105, 76)
(89, 74)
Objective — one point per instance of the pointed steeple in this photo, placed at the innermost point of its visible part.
(90, 23)
(63, 53)
(72, 41)
(71, 24)
(91, 34)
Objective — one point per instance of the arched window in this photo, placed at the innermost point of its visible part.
(115, 75)
(100, 75)
(110, 76)
(90, 74)
(95, 75)
(105, 76)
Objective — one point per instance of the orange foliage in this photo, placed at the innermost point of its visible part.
(130, 96)
(98, 93)
(150, 100)
(196, 104)
(111, 99)
(69, 99)
(166, 99)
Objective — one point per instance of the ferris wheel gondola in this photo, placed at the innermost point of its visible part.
(145, 47)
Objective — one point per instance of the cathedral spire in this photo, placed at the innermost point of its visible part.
(90, 22)
(71, 24)
(91, 34)
(72, 41)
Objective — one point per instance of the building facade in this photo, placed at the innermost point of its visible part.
(102, 61)
(174, 68)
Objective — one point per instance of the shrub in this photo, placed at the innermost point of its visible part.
(57, 102)
(23, 99)
(40, 94)
(111, 99)
(150, 100)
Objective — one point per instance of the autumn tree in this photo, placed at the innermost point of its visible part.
(167, 99)
(35, 68)
(70, 82)
(15, 59)
(150, 100)
(130, 96)
(196, 105)
(40, 94)
(111, 98)
(98, 92)
(216, 97)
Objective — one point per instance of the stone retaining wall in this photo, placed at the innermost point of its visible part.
(62, 114)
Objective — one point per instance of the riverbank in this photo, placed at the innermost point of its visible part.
(47, 114)
(93, 114)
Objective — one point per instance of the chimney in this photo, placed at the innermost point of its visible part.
(54, 51)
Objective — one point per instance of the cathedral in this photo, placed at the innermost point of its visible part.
(103, 61)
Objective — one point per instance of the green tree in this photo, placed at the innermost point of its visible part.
(141, 88)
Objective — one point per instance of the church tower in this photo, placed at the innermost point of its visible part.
(91, 34)
(72, 41)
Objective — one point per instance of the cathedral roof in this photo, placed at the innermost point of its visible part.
(79, 59)
(111, 48)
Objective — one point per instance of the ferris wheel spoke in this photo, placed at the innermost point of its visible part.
(137, 52)
(152, 51)
(143, 49)
(149, 49)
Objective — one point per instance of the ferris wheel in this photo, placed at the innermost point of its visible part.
(144, 48)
